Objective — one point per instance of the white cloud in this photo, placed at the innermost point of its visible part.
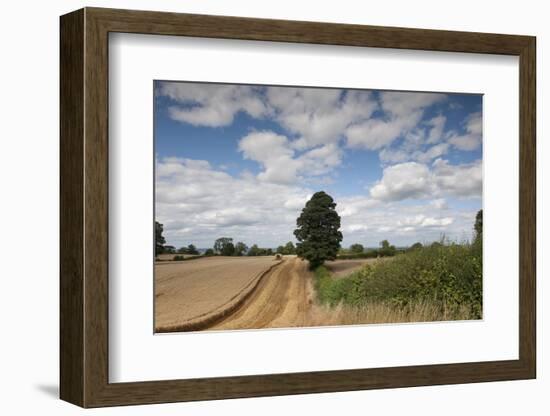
(410, 180)
(439, 204)
(431, 153)
(198, 204)
(280, 162)
(412, 201)
(437, 125)
(402, 154)
(403, 113)
(471, 139)
(464, 180)
(405, 103)
(319, 115)
(377, 133)
(413, 180)
(315, 116)
(212, 105)
(421, 220)
(402, 224)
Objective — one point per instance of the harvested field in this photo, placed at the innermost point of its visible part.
(228, 293)
(189, 294)
(342, 268)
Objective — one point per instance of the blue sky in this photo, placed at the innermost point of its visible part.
(240, 161)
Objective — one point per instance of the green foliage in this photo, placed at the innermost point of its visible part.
(356, 248)
(370, 254)
(416, 246)
(178, 258)
(224, 246)
(159, 239)
(317, 230)
(254, 250)
(289, 248)
(209, 252)
(478, 228)
(240, 248)
(386, 250)
(169, 249)
(333, 291)
(447, 275)
(191, 249)
(257, 251)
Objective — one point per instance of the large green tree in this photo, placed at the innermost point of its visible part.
(478, 226)
(357, 248)
(318, 230)
(191, 249)
(240, 249)
(224, 246)
(289, 248)
(386, 249)
(159, 239)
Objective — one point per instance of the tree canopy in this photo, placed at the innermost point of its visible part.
(159, 239)
(224, 246)
(318, 230)
(357, 248)
(240, 248)
(478, 226)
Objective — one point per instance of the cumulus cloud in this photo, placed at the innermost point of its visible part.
(413, 180)
(404, 103)
(471, 139)
(437, 125)
(403, 113)
(197, 204)
(414, 199)
(279, 160)
(463, 180)
(317, 115)
(212, 105)
(403, 181)
(403, 154)
(403, 223)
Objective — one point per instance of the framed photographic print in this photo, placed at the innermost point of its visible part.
(256, 207)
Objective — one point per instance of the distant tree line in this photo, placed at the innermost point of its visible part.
(387, 250)
(318, 238)
(357, 251)
(288, 248)
(223, 246)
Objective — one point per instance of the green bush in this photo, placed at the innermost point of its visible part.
(178, 258)
(447, 275)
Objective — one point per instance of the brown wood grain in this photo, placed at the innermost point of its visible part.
(71, 208)
(84, 207)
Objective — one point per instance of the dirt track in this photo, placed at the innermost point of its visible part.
(283, 298)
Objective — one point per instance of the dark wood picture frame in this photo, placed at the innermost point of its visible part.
(84, 207)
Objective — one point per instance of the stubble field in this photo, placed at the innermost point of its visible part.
(191, 294)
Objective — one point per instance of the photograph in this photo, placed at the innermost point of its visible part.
(296, 206)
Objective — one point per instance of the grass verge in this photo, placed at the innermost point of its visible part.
(442, 282)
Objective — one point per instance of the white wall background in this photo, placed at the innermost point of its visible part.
(29, 209)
